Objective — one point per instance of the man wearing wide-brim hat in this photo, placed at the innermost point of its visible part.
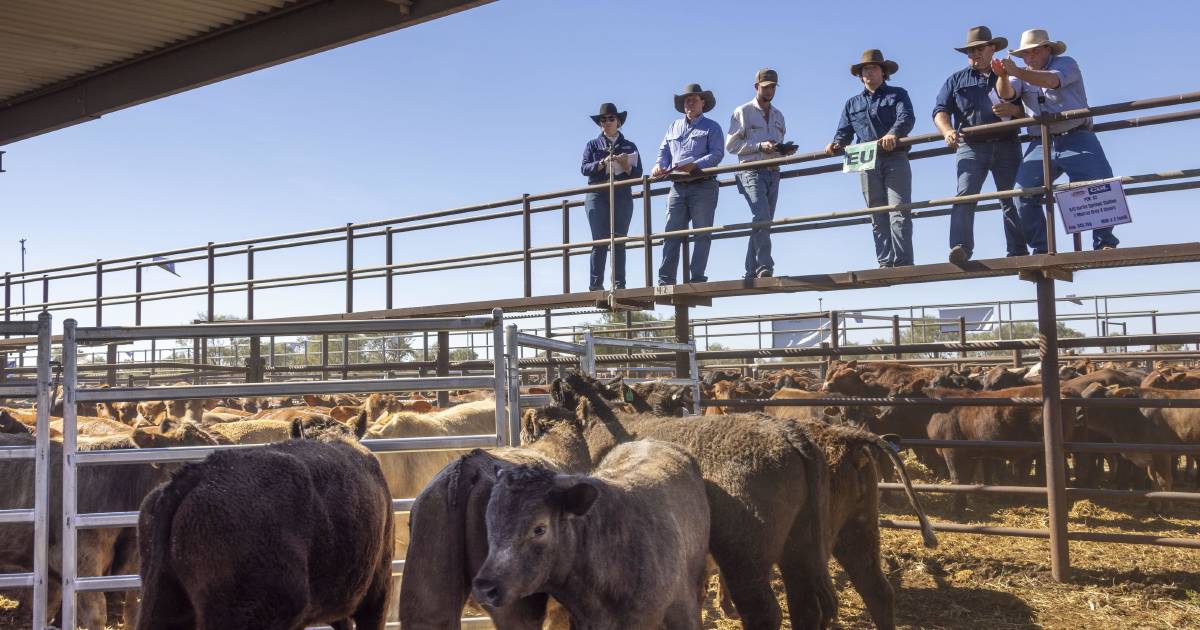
(609, 153)
(970, 97)
(1051, 83)
(692, 143)
(882, 113)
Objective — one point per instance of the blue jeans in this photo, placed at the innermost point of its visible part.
(694, 202)
(760, 187)
(596, 204)
(975, 160)
(1080, 156)
(890, 183)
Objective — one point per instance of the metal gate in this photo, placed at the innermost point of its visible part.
(40, 454)
(73, 459)
(591, 342)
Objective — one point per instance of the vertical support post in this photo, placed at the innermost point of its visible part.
(195, 361)
(526, 243)
(962, 338)
(1153, 330)
(443, 363)
(7, 296)
(212, 278)
(137, 296)
(250, 282)
(349, 267)
(612, 225)
(1056, 495)
(512, 354)
(566, 253)
(271, 351)
(254, 364)
(70, 497)
(629, 324)
(1016, 357)
(549, 335)
(896, 334)
(506, 433)
(834, 336)
(99, 295)
(41, 489)
(45, 292)
(1048, 185)
(111, 359)
(694, 371)
(588, 362)
(647, 230)
(324, 357)
(388, 274)
(345, 357)
(683, 366)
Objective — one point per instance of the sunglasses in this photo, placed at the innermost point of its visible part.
(608, 119)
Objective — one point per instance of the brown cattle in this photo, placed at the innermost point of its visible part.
(854, 511)
(1172, 378)
(1131, 426)
(622, 548)
(379, 405)
(853, 415)
(767, 487)
(728, 390)
(304, 530)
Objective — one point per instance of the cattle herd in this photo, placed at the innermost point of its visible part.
(614, 512)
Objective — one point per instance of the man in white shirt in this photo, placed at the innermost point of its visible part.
(756, 132)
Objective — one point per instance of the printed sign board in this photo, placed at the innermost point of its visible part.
(859, 157)
(1093, 206)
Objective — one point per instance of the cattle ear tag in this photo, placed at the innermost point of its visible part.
(628, 395)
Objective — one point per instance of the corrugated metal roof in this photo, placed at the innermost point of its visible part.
(46, 42)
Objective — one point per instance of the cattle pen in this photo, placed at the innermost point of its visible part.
(80, 288)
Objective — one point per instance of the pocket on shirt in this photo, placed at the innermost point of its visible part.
(698, 138)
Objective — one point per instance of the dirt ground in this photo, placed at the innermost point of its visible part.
(977, 582)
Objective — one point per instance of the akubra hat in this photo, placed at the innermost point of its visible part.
(982, 36)
(608, 109)
(1035, 37)
(710, 101)
(876, 57)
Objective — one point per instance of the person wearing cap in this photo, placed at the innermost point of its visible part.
(1052, 83)
(756, 132)
(692, 143)
(970, 97)
(610, 150)
(882, 113)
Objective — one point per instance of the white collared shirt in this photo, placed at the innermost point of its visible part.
(748, 127)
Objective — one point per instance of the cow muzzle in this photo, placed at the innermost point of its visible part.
(489, 592)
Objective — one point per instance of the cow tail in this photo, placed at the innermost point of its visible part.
(162, 594)
(816, 511)
(927, 535)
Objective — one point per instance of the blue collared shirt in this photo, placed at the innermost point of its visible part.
(700, 141)
(967, 96)
(870, 116)
(597, 149)
(1068, 95)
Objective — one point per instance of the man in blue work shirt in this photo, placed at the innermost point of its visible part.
(882, 113)
(971, 97)
(692, 143)
(1051, 82)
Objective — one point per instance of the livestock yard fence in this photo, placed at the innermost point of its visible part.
(73, 459)
(81, 287)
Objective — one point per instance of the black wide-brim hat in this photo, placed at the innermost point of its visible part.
(875, 56)
(608, 109)
(710, 101)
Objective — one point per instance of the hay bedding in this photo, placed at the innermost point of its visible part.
(989, 582)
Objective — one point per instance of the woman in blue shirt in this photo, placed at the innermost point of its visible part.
(610, 150)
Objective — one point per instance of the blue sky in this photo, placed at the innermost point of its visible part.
(493, 102)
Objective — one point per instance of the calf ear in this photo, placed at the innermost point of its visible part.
(297, 432)
(578, 496)
(167, 425)
(359, 424)
(420, 406)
